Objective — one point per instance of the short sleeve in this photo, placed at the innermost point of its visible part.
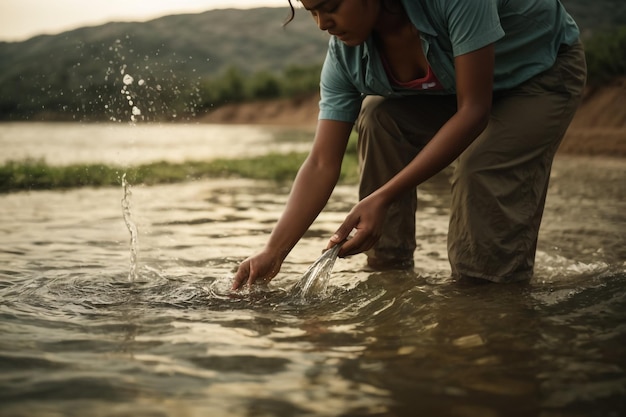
(471, 24)
(340, 99)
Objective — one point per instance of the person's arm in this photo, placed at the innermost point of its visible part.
(474, 80)
(310, 192)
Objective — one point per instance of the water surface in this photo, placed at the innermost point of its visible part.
(134, 144)
(79, 339)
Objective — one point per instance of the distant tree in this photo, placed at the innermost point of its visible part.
(232, 86)
(264, 85)
(300, 80)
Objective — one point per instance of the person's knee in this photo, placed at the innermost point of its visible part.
(470, 176)
(374, 113)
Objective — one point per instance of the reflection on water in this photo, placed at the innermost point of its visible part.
(124, 145)
(79, 339)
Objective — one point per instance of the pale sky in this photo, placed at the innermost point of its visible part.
(22, 19)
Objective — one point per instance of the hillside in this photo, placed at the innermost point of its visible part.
(173, 61)
(80, 72)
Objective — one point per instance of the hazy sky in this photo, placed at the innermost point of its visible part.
(21, 19)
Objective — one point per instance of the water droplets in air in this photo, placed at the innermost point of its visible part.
(128, 79)
(149, 90)
(128, 94)
(132, 91)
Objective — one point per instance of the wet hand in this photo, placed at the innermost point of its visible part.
(260, 268)
(366, 220)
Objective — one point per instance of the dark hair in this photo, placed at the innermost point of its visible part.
(388, 4)
(292, 14)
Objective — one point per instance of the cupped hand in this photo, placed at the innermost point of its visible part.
(258, 268)
(366, 219)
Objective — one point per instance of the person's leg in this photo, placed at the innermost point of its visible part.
(391, 132)
(500, 182)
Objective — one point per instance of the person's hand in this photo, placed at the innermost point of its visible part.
(367, 218)
(258, 268)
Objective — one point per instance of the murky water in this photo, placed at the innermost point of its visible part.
(78, 339)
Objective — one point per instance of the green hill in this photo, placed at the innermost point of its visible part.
(178, 65)
(81, 71)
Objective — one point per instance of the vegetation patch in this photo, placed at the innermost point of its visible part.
(38, 175)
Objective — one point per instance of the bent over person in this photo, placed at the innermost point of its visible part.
(489, 86)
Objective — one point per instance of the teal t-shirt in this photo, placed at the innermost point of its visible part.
(526, 34)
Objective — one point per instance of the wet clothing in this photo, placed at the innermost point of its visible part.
(500, 182)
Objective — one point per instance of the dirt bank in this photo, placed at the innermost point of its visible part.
(599, 127)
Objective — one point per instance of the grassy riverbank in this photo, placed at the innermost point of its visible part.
(38, 175)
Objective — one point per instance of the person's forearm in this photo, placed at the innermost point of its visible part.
(451, 140)
(310, 193)
(474, 80)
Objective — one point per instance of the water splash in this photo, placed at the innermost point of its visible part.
(149, 91)
(315, 280)
(129, 95)
(132, 228)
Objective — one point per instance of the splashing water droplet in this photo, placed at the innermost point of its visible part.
(132, 228)
(136, 111)
(128, 79)
(315, 280)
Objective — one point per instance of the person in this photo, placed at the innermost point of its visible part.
(486, 86)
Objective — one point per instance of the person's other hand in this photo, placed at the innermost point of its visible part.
(366, 218)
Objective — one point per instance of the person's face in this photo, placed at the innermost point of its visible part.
(352, 21)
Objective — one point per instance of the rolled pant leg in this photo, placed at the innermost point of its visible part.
(391, 133)
(500, 182)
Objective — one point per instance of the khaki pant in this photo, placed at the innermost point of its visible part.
(499, 183)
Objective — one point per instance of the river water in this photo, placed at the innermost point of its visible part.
(79, 339)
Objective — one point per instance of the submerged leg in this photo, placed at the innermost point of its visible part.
(500, 182)
(391, 133)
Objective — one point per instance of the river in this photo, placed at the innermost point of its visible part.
(78, 338)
